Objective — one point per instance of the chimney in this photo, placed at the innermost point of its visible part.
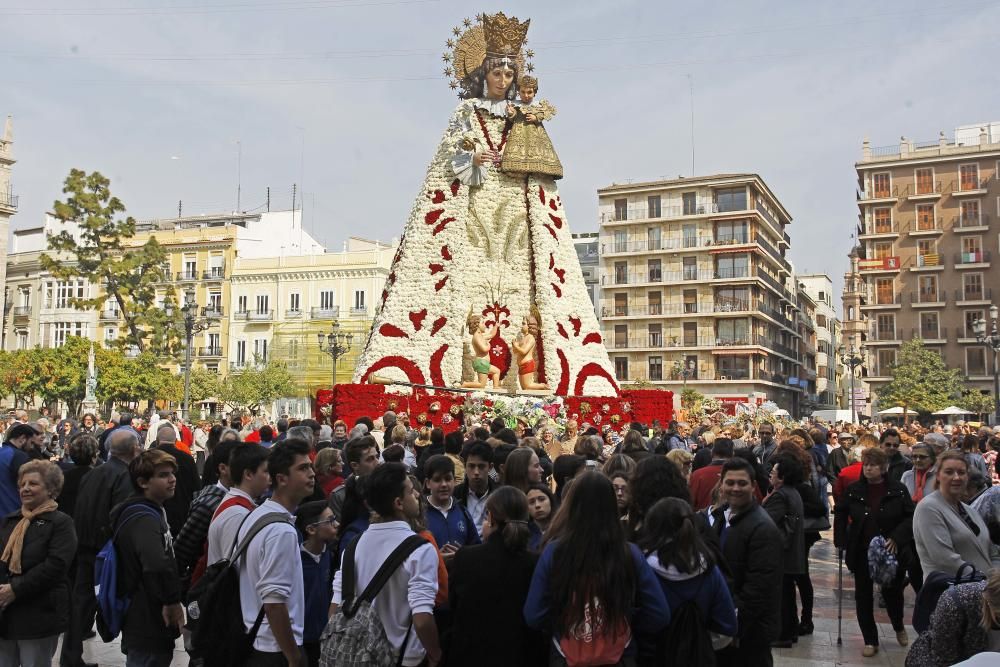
(983, 137)
(866, 149)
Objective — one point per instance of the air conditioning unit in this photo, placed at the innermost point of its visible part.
(723, 377)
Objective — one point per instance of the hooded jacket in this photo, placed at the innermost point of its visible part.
(706, 586)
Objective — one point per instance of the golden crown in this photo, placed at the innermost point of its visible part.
(504, 36)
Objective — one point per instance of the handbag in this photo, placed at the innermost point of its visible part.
(816, 524)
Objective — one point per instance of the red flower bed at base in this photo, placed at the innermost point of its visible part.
(351, 401)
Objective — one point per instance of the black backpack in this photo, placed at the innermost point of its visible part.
(934, 585)
(215, 618)
(686, 641)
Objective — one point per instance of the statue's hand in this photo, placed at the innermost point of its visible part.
(482, 157)
(530, 117)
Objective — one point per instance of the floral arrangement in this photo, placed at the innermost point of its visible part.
(532, 411)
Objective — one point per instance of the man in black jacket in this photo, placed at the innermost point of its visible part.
(477, 485)
(188, 480)
(147, 569)
(898, 464)
(752, 548)
(101, 489)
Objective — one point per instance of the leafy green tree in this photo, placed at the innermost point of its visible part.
(920, 381)
(977, 402)
(130, 275)
(204, 384)
(257, 385)
(691, 398)
(61, 372)
(17, 376)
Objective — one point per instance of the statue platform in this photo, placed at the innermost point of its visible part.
(445, 406)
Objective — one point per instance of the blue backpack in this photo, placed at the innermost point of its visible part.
(111, 607)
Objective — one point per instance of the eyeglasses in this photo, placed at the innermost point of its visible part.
(329, 522)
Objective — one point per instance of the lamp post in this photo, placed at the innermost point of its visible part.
(685, 371)
(336, 344)
(992, 342)
(852, 358)
(192, 325)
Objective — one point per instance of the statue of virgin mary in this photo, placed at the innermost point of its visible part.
(481, 241)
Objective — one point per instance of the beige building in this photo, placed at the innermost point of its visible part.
(8, 200)
(819, 288)
(927, 233)
(694, 288)
(280, 305)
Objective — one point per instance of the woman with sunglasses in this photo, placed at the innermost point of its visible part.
(919, 481)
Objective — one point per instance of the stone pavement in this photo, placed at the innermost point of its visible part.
(818, 650)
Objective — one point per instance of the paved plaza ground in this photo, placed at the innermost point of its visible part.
(818, 650)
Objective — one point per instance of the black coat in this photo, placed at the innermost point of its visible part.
(41, 604)
(101, 489)
(148, 572)
(188, 484)
(753, 559)
(487, 587)
(898, 464)
(894, 518)
(71, 487)
(784, 506)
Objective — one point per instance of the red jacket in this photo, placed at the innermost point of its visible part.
(847, 476)
(703, 482)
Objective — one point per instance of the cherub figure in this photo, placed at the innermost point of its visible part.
(529, 149)
(481, 337)
(525, 354)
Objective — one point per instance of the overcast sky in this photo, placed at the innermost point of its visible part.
(347, 98)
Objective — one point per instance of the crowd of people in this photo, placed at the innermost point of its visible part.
(496, 543)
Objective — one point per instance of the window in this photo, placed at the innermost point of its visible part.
(881, 185)
(972, 286)
(732, 266)
(294, 302)
(690, 236)
(691, 363)
(24, 297)
(260, 350)
(732, 332)
(925, 181)
(968, 177)
(929, 325)
(214, 342)
(821, 321)
(653, 238)
(63, 330)
(733, 367)
(621, 368)
(885, 360)
(190, 267)
(215, 302)
(110, 335)
(656, 368)
(621, 273)
(621, 241)
(885, 326)
(883, 220)
(263, 301)
(881, 249)
(731, 199)
(653, 206)
(326, 300)
(216, 266)
(975, 361)
(655, 271)
(690, 301)
(655, 331)
(241, 352)
(690, 202)
(621, 304)
(729, 299)
(925, 217)
(884, 292)
(359, 300)
(66, 291)
(731, 232)
(927, 254)
(22, 340)
(621, 209)
(655, 303)
(293, 349)
(690, 265)
(690, 334)
(970, 319)
(621, 335)
(972, 249)
(969, 213)
(928, 288)
(241, 304)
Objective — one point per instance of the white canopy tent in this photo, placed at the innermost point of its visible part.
(898, 411)
(953, 410)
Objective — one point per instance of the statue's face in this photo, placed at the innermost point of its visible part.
(498, 81)
(532, 325)
(527, 94)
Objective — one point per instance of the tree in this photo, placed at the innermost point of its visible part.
(257, 385)
(920, 380)
(204, 384)
(61, 372)
(691, 398)
(977, 402)
(124, 381)
(17, 376)
(100, 254)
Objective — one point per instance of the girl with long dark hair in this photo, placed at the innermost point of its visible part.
(542, 506)
(602, 589)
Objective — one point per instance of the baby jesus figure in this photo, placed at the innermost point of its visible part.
(529, 149)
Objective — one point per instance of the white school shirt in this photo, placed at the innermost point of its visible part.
(222, 530)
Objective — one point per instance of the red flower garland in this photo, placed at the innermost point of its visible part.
(486, 133)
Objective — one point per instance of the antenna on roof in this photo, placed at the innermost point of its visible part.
(239, 172)
(691, 91)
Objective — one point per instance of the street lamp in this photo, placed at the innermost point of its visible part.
(991, 341)
(336, 344)
(852, 358)
(192, 325)
(685, 371)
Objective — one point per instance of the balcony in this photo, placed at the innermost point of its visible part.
(8, 201)
(725, 374)
(210, 351)
(880, 334)
(728, 305)
(964, 335)
(929, 336)
(776, 314)
(923, 191)
(879, 196)
(961, 224)
(359, 312)
(732, 272)
(214, 273)
(930, 261)
(970, 187)
(622, 247)
(327, 313)
(293, 314)
(973, 297)
(883, 302)
(189, 274)
(928, 299)
(21, 312)
(634, 213)
(254, 315)
(977, 259)
(109, 315)
(880, 229)
(925, 226)
(773, 252)
(772, 282)
(132, 351)
(767, 215)
(212, 312)
(891, 264)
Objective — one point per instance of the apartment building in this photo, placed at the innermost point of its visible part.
(694, 288)
(588, 252)
(927, 230)
(819, 288)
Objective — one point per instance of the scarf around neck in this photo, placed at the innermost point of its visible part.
(12, 552)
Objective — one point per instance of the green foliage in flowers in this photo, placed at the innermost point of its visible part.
(691, 399)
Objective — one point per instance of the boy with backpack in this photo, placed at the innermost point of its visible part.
(387, 582)
(318, 527)
(146, 569)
